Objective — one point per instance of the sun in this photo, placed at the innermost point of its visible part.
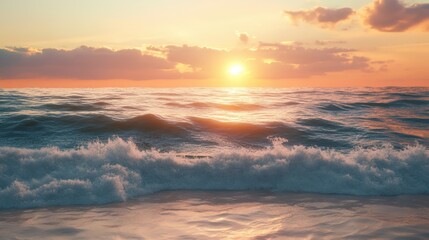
(236, 70)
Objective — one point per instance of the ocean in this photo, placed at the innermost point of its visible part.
(214, 163)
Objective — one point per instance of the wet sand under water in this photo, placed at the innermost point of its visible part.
(227, 215)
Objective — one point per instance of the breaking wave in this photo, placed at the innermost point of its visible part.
(117, 170)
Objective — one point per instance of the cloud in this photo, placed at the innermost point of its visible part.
(300, 62)
(382, 15)
(271, 60)
(205, 62)
(394, 16)
(268, 60)
(82, 63)
(243, 37)
(324, 17)
(328, 42)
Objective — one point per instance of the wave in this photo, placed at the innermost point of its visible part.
(335, 107)
(311, 131)
(414, 120)
(358, 105)
(74, 107)
(93, 123)
(395, 103)
(250, 132)
(320, 122)
(288, 103)
(409, 94)
(221, 106)
(117, 170)
(149, 123)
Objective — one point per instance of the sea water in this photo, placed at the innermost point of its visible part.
(219, 163)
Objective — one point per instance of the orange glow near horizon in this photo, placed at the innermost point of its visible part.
(331, 81)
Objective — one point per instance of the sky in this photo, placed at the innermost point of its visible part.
(166, 43)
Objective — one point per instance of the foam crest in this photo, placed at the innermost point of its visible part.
(117, 170)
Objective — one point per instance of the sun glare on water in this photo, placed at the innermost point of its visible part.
(236, 70)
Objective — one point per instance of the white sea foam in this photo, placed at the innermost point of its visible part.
(117, 170)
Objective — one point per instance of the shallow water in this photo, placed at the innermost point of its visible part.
(228, 215)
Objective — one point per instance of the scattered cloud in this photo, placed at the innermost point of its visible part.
(395, 16)
(243, 37)
(267, 60)
(382, 15)
(324, 17)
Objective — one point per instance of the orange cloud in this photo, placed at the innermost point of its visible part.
(268, 60)
(291, 61)
(323, 17)
(394, 16)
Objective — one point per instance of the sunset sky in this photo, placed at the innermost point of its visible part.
(166, 43)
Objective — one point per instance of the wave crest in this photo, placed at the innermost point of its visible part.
(117, 170)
